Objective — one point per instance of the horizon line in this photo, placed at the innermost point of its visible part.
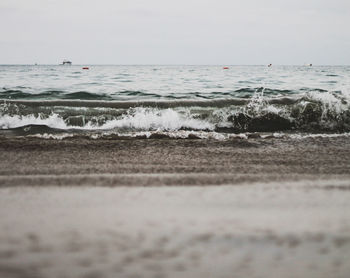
(232, 65)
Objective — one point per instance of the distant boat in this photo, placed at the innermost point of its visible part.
(269, 65)
(66, 62)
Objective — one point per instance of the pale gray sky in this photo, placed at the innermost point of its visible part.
(175, 32)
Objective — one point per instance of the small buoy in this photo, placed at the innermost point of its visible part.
(225, 68)
(85, 68)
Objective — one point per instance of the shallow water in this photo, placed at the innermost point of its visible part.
(132, 100)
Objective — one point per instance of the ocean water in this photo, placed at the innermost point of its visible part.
(173, 101)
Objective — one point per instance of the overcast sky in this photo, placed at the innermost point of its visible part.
(175, 32)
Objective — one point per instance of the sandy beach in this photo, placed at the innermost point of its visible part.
(152, 162)
(255, 207)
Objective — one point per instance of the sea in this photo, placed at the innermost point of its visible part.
(174, 101)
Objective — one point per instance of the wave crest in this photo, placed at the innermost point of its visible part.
(311, 112)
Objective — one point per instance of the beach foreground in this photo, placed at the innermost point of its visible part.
(99, 208)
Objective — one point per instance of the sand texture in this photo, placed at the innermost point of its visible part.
(27, 161)
(75, 208)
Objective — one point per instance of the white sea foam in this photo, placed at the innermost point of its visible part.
(154, 119)
(329, 102)
(53, 136)
(53, 121)
(317, 135)
(328, 111)
(139, 118)
(179, 134)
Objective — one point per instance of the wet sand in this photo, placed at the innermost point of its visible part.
(34, 161)
(100, 208)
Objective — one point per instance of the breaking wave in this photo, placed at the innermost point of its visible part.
(311, 112)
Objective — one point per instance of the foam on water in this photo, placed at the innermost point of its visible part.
(53, 121)
(139, 118)
(155, 119)
(175, 99)
(313, 112)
